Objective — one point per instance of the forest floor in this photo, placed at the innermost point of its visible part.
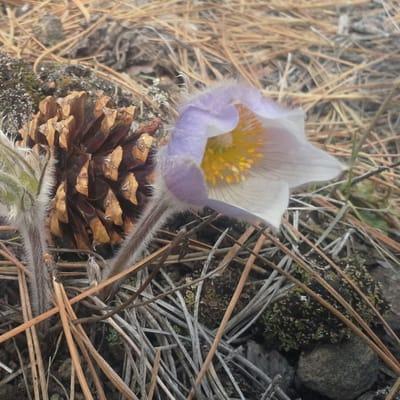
(337, 60)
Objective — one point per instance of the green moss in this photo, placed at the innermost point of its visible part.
(112, 337)
(297, 321)
(216, 295)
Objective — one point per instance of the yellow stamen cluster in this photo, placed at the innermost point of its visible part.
(228, 158)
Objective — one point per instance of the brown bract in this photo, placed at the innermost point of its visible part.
(104, 169)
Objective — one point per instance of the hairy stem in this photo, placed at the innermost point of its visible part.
(154, 216)
(33, 233)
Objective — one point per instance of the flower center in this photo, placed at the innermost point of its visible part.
(229, 157)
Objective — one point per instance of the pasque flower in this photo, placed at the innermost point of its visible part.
(235, 151)
(240, 154)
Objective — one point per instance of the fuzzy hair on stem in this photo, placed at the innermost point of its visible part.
(35, 247)
(26, 180)
(159, 209)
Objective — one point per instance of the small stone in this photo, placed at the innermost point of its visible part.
(271, 362)
(339, 371)
(50, 30)
(343, 25)
(389, 278)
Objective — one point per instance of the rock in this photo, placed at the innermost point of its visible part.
(271, 362)
(389, 278)
(339, 371)
(49, 30)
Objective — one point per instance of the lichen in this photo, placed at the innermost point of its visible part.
(297, 321)
(59, 80)
(19, 93)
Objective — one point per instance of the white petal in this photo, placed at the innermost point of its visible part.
(4, 211)
(297, 161)
(291, 121)
(257, 195)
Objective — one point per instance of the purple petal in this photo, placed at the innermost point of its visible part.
(271, 113)
(184, 179)
(195, 126)
(215, 99)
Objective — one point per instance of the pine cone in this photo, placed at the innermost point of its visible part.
(103, 171)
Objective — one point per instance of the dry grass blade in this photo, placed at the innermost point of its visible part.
(145, 284)
(100, 394)
(86, 293)
(154, 373)
(360, 143)
(5, 253)
(81, 335)
(394, 390)
(32, 356)
(73, 351)
(96, 380)
(22, 371)
(235, 248)
(227, 315)
(375, 233)
(83, 9)
(114, 378)
(35, 354)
